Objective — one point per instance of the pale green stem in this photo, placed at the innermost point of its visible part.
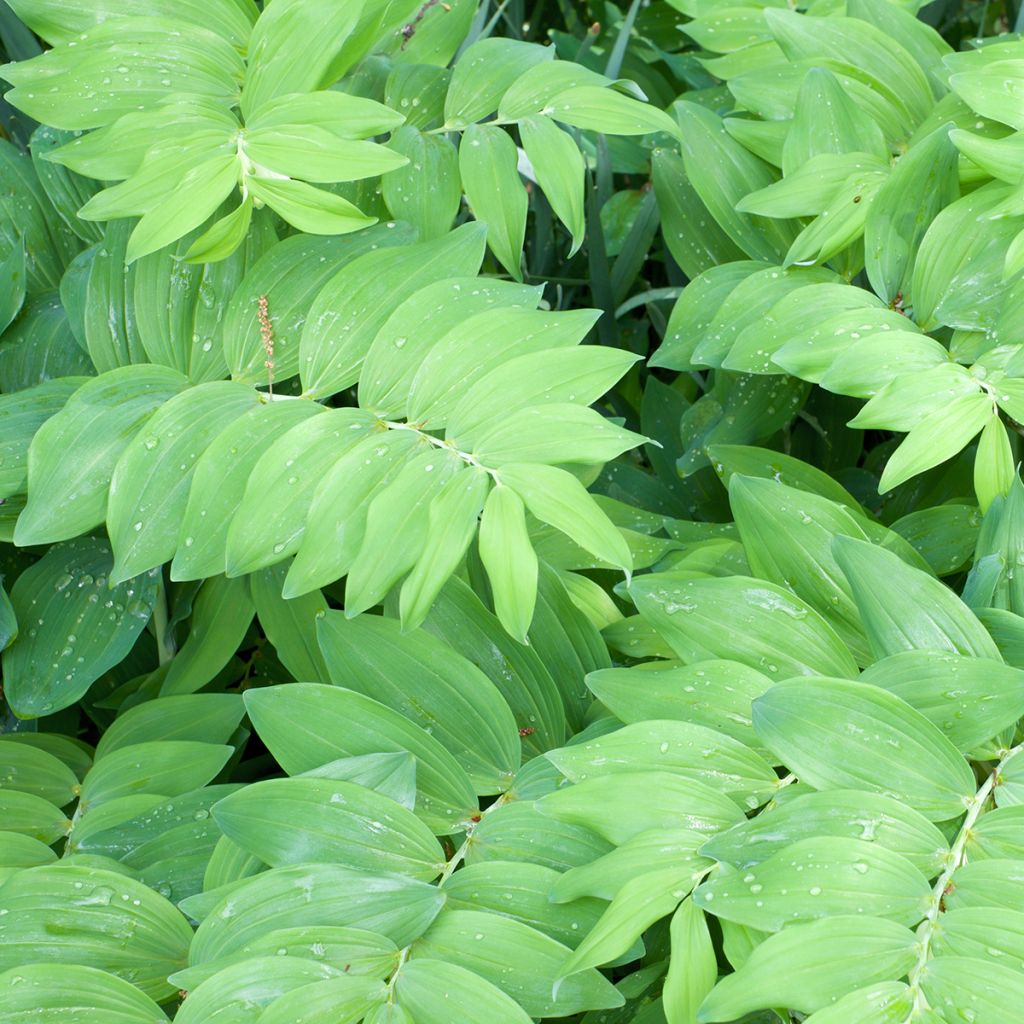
(955, 859)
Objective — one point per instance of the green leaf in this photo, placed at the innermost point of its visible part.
(206, 717)
(341, 1000)
(290, 275)
(838, 734)
(713, 694)
(280, 60)
(459, 618)
(428, 989)
(921, 184)
(480, 344)
(644, 899)
(559, 170)
(426, 191)
(338, 512)
(489, 167)
(50, 992)
(300, 821)
(682, 748)
(32, 816)
(904, 609)
(605, 110)
(289, 469)
(219, 481)
(305, 725)
(451, 527)
(307, 895)
(402, 342)
(520, 890)
(991, 990)
(994, 468)
(30, 770)
(290, 624)
(72, 455)
(66, 915)
(149, 485)
(357, 301)
(522, 962)
(944, 688)
(313, 210)
(772, 630)
(74, 625)
(483, 73)
(397, 527)
(164, 767)
(24, 412)
(614, 807)
(422, 679)
(693, 969)
(252, 985)
(723, 172)
(809, 966)
(509, 559)
(937, 438)
(819, 877)
(871, 817)
(220, 619)
(556, 497)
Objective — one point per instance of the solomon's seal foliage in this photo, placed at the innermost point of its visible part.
(511, 512)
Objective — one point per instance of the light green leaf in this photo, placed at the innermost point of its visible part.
(808, 966)
(426, 682)
(426, 191)
(305, 725)
(483, 73)
(218, 484)
(281, 61)
(904, 609)
(72, 455)
(397, 528)
(606, 110)
(509, 558)
(290, 275)
(693, 969)
(521, 961)
(559, 170)
(337, 514)
(838, 734)
(819, 877)
(66, 915)
(150, 482)
(937, 438)
(289, 469)
(451, 527)
(428, 989)
(313, 210)
(50, 992)
(556, 497)
(301, 821)
(357, 301)
(489, 166)
(398, 908)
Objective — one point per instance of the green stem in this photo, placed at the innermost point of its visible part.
(165, 646)
(955, 859)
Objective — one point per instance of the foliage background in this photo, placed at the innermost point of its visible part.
(592, 591)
